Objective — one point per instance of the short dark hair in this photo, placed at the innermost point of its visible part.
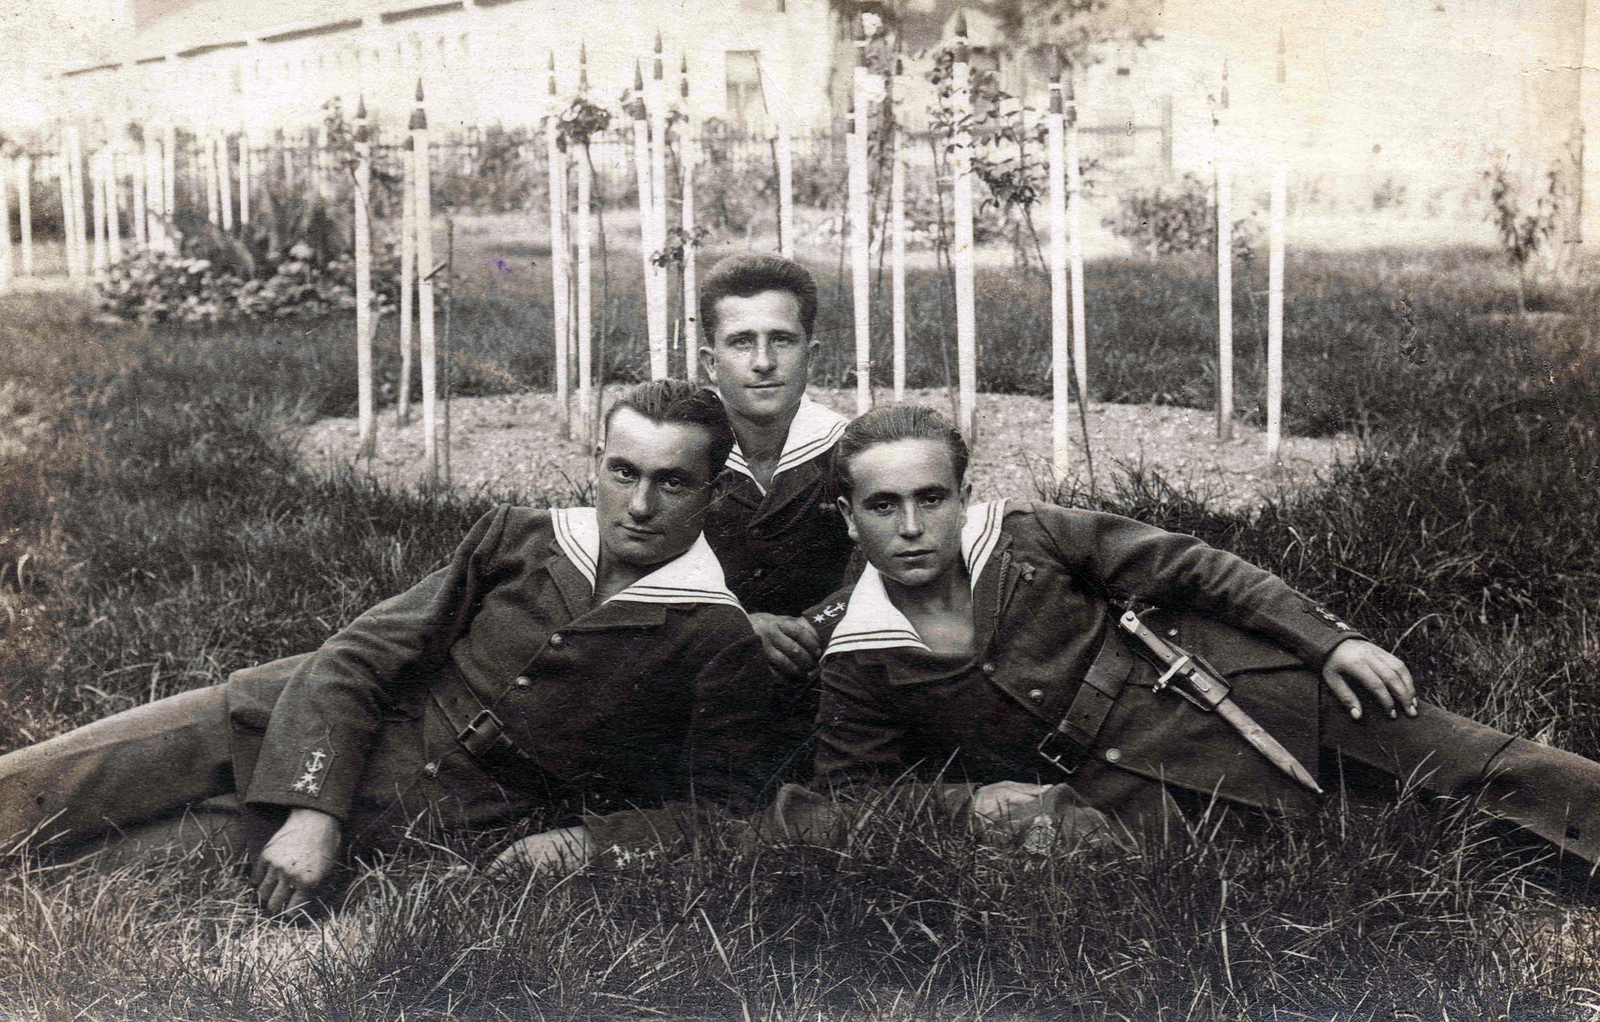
(885, 426)
(667, 401)
(749, 273)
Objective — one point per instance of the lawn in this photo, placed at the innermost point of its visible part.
(156, 533)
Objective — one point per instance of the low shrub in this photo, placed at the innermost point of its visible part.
(154, 287)
(1177, 223)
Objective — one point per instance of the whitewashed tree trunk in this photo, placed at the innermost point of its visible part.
(363, 190)
(655, 334)
(97, 192)
(1224, 299)
(785, 149)
(246, 174)
(860, 240)
(1280, 176)
(25, 210)
(140, 227)
(113, 208)
(68, 222)
(425, 326)
(1080, 319)
(169, 187)
(225, 180)
(897, 257)
(408, 274)
(658, 207)
(586, 388)
(7, 256)
(1060, 332)
(689, 156)
(962, 250)
(560, 284)
(208, 164)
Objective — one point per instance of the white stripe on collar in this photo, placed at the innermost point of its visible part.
(695, 576)
(871, 621)
(812, 433)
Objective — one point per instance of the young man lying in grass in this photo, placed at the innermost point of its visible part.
(573, 662)
(983, 644)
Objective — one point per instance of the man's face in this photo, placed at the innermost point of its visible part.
(652, 488)
(760, 357)
(906, 509)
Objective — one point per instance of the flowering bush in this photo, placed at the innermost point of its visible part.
(152, 287)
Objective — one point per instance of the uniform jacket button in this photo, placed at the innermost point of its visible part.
(556, 639)
(522, 681)
(1112, 755)
(988, 669)
(1036, 694)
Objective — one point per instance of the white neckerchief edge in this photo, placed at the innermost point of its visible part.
(871, 621)
(694, 576)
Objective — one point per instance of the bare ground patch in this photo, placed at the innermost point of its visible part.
(514, 442)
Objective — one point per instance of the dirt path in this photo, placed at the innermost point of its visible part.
(513, 442)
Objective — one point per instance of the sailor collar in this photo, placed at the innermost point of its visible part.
(694, 576)
(812, 433)
(871, 621)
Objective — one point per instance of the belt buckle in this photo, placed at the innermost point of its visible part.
(481, 734)
(1067, 761)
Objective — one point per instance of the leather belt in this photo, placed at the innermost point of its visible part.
(481, 734)
(1066, 746)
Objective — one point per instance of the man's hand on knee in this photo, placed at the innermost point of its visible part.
(564, 848)
(297, 858)
(1382, 674)
(790, 643)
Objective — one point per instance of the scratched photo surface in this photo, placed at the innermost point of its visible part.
(244, 398)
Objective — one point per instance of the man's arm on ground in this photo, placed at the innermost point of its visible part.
(334, 703)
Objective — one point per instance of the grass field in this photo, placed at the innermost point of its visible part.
(157, 533)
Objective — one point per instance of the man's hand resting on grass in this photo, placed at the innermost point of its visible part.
(564, 848)
(296, 859)
(1382, 674)
(790, 643)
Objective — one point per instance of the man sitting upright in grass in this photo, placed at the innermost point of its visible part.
(773, 524)
(574, 662)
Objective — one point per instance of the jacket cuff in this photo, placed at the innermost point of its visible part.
(312, 772)
(1308, 629)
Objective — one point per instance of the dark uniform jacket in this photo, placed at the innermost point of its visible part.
(1044, 579)
(786, 547)
(660, 693)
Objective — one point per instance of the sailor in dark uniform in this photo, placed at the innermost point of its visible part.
(984, 648)
(575, 662)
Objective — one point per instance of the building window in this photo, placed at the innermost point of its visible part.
(746, 105)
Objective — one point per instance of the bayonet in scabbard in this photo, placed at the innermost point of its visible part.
(1191, 677)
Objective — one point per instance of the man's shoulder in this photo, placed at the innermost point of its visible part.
(711, 627)
(1045, 522)
(522, 525)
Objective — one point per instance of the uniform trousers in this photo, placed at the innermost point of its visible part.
(172, 775)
